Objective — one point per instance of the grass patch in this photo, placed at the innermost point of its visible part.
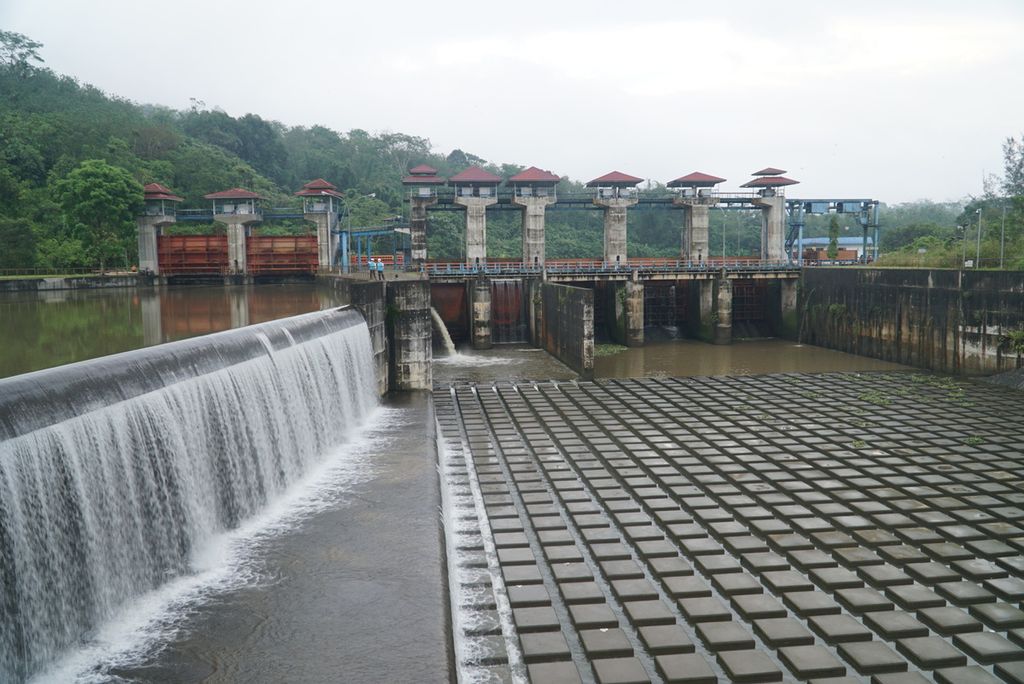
(876, 398)
(608, 349)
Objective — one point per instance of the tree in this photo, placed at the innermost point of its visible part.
(100, 201)
(833, 238)
(1013, 166)
(18, 52)
(19, 244)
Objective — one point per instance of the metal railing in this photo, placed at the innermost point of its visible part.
(649, 266)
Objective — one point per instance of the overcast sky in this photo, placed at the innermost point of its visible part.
(894, 100)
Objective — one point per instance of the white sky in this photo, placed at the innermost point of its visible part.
(894, 100)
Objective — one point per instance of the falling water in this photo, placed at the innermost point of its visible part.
(113, 472)
(442, 330)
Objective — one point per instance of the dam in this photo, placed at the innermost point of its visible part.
(248, 506)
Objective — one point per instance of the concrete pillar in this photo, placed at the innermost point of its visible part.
(700, 306)
(615, 227)
(476, 227)
(149, 228)
(326, 241)
(626, 324)
(722, 315)
(789, 323)
(409, 334)
(535, 308)
(773, 226)
(418, 228)
(533, 227)
(693, 243)
(480, 312)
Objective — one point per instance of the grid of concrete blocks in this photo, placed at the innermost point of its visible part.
(828, 528)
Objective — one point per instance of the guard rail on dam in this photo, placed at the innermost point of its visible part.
(114, 471)
(595, 269)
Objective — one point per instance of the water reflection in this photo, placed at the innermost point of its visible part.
(690, 357)
(44, 329)
(656, 359)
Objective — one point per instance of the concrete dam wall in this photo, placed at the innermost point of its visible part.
(942, 320)
(568, 326)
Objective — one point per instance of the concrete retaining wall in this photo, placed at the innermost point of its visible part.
(369, 298)
(72, 283)
(943, 320)
(568, 326)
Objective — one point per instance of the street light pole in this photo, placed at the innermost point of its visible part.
(1002, 236)
(977, 253)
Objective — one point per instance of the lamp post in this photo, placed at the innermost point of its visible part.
(1002, 236)
(977, 253)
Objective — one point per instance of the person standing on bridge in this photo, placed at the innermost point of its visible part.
(372, 265)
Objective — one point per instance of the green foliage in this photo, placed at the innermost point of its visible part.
(19, 243)
(608, 349)
(1014, 341)
(101, 200)
(833, 238)
(876, 398)
(18, 52)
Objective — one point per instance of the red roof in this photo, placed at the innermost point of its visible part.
(695, 179)
(534, 175)
(614, 178)
(769, 171)
(233, 193)
(317, 188)
(155, 191)
(769, 182)
(423, 170)
(474, 174)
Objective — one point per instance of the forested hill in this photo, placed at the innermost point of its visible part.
(73, 159)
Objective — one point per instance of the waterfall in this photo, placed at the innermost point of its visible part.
(113, 471)
(442, 330)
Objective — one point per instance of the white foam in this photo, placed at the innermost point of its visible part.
(225, 562)
(474, 360)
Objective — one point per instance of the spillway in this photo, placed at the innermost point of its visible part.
(113, 472)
